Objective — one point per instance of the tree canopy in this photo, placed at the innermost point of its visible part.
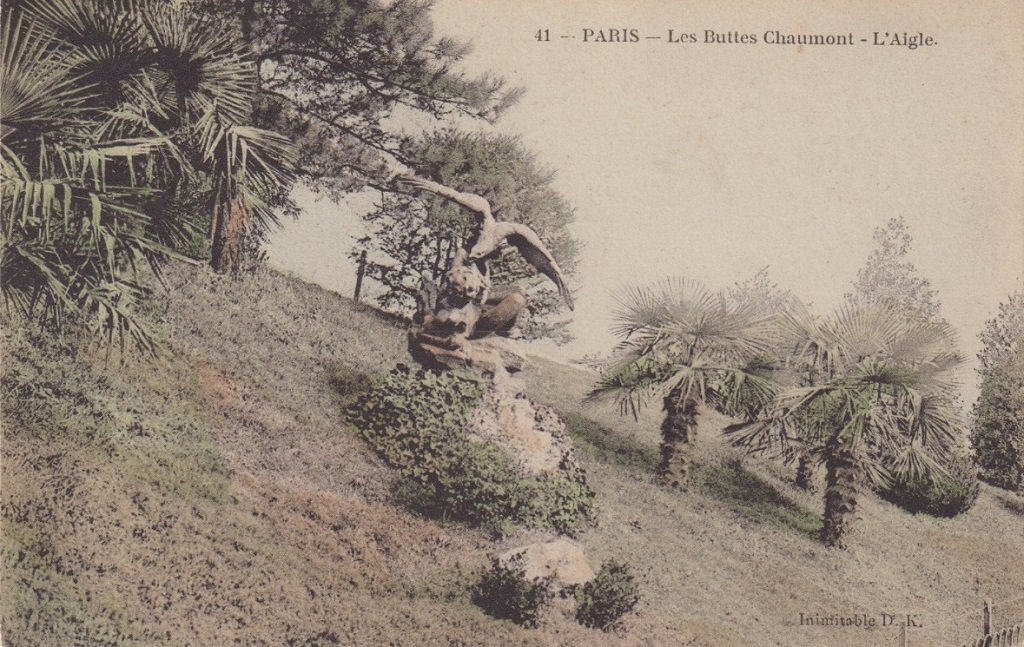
(331, 75)
(134, 130)
(688, 346)
(889, 279)
(1003, 336)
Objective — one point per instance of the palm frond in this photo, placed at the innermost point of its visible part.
(213, 77)
(104, 107)
(761, 436)
(810, 345)
(248, 164)
(100, 40)
(745, 391)
(932, 420)
(859, 330)
(637, 308)
(690, 382)
(680, 319)
(883, 372)
(628, 382)
(921, 341)
(38, 92)
(108, 309)
(876, 473)
(914, 463)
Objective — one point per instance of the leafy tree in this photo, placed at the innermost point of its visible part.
(415, 235)
(889, 279)
(882, 404)
(691, 347)
(998, 431)
(1002, 336)
(342, 78)
(111, 112)
(759, 290)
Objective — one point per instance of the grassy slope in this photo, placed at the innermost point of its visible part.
(216, 498)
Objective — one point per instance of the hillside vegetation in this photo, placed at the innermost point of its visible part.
(215, 497)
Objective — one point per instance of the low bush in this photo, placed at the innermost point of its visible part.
(563, 502)
(504, 592)
(939, 496)
(416, 421)
(612, 594)
(473, 482)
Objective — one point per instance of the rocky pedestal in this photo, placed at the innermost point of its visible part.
(531, 433)
(467, 326)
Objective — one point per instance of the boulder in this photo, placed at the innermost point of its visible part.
(560, 559)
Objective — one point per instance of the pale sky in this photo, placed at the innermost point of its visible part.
(713, 161)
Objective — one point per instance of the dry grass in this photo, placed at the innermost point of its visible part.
(217, 498)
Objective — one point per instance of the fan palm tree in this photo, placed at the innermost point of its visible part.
(109, 109)
(881, 404)
(691, 347)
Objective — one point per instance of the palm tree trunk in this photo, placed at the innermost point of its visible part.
(248, 18)
(842, 483)
(228, 230)
(678, 431)
(804, 473)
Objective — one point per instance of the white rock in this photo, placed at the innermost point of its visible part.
(560, 558)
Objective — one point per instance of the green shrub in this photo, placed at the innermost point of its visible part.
(612, 594)
(413, 418)
(476, 483)
(504, 592)
(997, 436)
(416, 421)
(940, 496)
(563, 503)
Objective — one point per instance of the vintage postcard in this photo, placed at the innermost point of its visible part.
(393, 322)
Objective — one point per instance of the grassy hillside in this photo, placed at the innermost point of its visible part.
(216, 497)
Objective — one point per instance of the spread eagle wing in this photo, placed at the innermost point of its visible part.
(536, 254)
(471, 201)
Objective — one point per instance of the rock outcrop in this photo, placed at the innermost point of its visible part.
(532, 434)
(561, 560)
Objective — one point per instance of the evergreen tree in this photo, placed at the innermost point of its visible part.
(340, 78)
